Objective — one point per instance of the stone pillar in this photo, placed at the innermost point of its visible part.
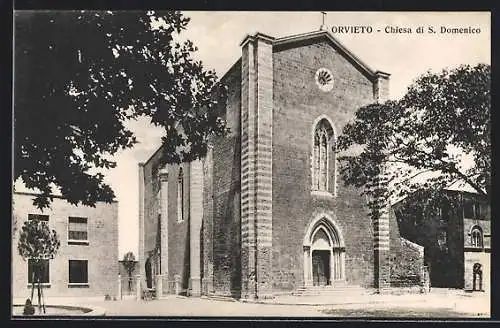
(307, 263)
(138, 288)
(119, 287)
(256, 166)
(195, 221)
(177, 284)
(333, 266)
(164, 221)
(141, 258)
(159, 286)
(381, 87)
(381, 250)
(342, 265)
(208, 212)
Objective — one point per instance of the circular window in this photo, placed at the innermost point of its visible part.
(324, 79)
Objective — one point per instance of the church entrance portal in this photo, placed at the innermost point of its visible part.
(321, 267)
(324, 253)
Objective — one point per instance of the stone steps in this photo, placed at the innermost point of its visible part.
(340, 289)
(215, 297)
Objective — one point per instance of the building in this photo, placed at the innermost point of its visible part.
(265, 212)
(86, 262)
(456, 239)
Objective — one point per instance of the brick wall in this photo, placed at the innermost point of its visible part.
(297, 103)
(101, 252)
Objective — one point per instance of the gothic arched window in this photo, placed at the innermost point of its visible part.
(476, 237)
(180, 196)
(323, 156)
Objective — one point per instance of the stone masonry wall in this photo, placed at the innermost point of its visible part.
(178, 231)
(222, 199)
(101, 252)
(297, 103)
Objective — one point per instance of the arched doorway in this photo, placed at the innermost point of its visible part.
(324, 253)
(477, 277)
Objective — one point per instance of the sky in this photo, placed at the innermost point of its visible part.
(218, 35)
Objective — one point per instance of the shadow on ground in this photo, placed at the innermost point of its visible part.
(399, 313)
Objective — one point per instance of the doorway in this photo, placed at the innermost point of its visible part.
(321, 267)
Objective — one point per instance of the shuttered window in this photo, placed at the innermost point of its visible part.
(78, 272)
(77, 230)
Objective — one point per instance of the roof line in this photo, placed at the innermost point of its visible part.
(25, 193)
(151, 157)
(218, 81)
(308, 35)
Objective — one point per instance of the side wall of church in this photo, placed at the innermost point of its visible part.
(221, 243)
(178, 230)
(178, 239)
(297, 103)
(151, 206)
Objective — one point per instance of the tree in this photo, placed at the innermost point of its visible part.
(80, 75)
(37, 243)
(129, 265)
(420, 144)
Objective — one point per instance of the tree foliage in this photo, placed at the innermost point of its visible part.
(129, 263)
(421, 144)
(80, 75)
(37, 243)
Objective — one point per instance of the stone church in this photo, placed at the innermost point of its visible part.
(265, 211)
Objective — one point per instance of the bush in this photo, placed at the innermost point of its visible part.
(107, 297)
(29, 309)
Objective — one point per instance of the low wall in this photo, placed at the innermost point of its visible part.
(407, 264)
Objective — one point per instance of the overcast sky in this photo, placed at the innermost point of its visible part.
(404, 56)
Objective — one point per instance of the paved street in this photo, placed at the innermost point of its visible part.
(437, 304)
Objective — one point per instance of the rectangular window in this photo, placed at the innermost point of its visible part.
(77, 230)
(78, 272)
(43, 272)
(443, 240)
(180, 197)
(39, 217)
(469, 209)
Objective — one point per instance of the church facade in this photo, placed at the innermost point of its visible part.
(265, 211)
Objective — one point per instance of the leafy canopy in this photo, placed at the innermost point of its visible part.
(80, 75)
(37, 241)
(129, 262)
(438, 134)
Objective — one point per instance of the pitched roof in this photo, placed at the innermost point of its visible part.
(292, 40)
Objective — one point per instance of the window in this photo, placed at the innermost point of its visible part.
(77, 230)
(471, 209)
(78, 272)
(443, 240)
(322, 155)
(477, 237)
(158, 201)
(43, 271)
(38, 217)
(180, 196)
(444, 213)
